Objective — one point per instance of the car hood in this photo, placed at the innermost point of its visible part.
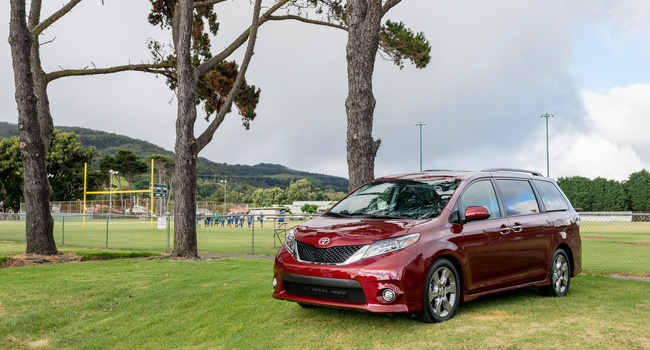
(349, 231)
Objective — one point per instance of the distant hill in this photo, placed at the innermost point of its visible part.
(260, 175)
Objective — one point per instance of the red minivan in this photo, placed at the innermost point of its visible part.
(422, 243)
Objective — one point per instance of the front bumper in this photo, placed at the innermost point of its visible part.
(361, 285)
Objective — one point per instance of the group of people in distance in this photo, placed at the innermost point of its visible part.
(235, 220)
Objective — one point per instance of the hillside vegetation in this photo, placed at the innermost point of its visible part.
(258, 176)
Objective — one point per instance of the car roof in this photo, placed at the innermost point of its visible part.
(436, 174)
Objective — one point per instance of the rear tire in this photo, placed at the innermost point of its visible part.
(441, 294)
(559, 275)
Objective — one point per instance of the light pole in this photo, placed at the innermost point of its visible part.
(225, 186)
(420, 124)
(547, 115)
(110, 191)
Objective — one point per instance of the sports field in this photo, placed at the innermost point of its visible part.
(608, 247)
(226, 303)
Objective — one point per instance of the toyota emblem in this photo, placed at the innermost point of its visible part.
(324, 241)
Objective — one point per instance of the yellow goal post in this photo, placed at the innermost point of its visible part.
(110, 191)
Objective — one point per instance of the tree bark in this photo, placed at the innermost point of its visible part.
(364, 22)
(185, 243)
(39, 223)
(188, 146)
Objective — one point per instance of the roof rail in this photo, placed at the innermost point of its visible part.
(513, 170)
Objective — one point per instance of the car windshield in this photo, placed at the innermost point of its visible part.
(397, 199)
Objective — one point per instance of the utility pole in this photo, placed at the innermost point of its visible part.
(225, 183)
(547, 115)
(110, 194)
(420, 124)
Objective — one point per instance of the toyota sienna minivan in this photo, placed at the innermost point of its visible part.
(422, 243)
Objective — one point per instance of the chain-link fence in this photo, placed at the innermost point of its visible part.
(613, 243)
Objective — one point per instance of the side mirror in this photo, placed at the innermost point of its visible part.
(476, 212)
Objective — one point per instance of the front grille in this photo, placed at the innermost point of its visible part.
(333, 255)
(326, 293)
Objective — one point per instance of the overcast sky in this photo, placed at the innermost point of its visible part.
(496, 67)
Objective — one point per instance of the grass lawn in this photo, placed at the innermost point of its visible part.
(227, 304)
(608, 247)
(141, 234)
(616, 247)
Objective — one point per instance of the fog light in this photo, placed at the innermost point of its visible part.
(388, 295)
(275, 282)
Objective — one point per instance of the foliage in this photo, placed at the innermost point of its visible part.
(127, 163)
(266, 197)
(602, 194)
(302, 190)
(309, 208)
(400, 43)
(65, 167)
(212, 87)
(638, 189)
(11, 175)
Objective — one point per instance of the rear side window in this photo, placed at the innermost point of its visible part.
(518, 197)
(481, 193)
(551, 196)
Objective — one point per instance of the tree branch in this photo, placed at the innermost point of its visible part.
(158, 68)
(206, 3)
(40, 27)
(241, 39)
(208, 134)
(309, 21)
(388, 5)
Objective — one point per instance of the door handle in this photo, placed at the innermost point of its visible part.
(504, 229)
(517, 227)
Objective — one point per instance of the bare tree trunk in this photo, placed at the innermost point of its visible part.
(364, 22)
(186, 150)
(187, 146)
(40, 78)
(39, 223)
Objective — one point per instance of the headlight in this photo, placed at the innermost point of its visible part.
(290, 241)
(391, 245)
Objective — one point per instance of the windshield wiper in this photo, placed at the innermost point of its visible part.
(384, 216)
(337, 215)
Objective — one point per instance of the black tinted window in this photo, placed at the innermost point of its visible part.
(518, 197)
(551, 196)
(481, 193)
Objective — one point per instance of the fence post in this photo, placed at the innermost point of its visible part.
(169, 224)
(63, 230)
(107, 216)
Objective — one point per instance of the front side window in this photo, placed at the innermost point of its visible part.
(551, 196)
(397, 199)
(481, 193)
(518, 197)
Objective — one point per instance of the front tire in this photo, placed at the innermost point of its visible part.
(559, 275)
(441, 295)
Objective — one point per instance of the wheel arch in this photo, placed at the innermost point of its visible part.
(569, 252)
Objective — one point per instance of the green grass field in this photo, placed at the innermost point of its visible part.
(227, 304)
(608, 247)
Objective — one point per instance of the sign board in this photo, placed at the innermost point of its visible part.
(162, 222)
(160, 190)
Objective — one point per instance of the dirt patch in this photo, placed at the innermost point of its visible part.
(594, 237)
(36, 260)
(38, 343)
(644, 278)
